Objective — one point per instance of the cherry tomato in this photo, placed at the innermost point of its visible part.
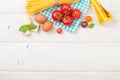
(66, 8)
(65, 16)
(56, 15)
(67, 20)
(59, 30)
(84, 24)
(76, 13)
(88, 18)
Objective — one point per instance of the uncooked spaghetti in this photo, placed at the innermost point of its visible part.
(34, 6)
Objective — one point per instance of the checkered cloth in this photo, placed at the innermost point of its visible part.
(83, 5)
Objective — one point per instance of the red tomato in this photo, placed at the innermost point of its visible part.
(56, 15)
(67, 20)
(66, 8)
(59, 30)
(76, 13)
(65, 16)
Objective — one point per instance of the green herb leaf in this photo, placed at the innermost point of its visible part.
(31, 26)
(23, 28)
(91, 25)
(26, 27)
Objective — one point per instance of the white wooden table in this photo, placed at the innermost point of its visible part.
(86, 54)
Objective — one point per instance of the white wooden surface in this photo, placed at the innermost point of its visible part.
(86, 54)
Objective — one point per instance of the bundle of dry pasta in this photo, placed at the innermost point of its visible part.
(34, 6)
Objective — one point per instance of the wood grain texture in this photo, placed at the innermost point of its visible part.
(48, 57)
(59, 76)
(92, 50)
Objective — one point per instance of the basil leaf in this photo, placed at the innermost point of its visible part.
(31, 26)
(23, 28)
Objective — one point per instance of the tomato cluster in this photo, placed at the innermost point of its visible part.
(66, 15)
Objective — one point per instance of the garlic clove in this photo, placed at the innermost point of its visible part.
(28, 21)
(27, 33)
(37, 29)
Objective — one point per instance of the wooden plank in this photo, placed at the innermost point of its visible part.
(59, 76)
(60, 57)
(12, 6)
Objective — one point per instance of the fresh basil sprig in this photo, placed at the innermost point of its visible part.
(26, 27)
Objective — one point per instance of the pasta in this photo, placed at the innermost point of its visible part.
(34, 6)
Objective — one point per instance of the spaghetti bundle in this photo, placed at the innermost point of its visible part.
(34, 6)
